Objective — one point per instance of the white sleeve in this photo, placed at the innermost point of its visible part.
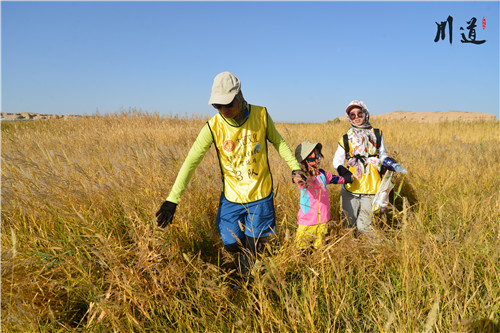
(339, 157)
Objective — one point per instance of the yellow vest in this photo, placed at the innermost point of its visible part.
(369, 183)
(242, 152)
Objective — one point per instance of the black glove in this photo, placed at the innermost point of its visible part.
(166, 213)
(301, 173)
(346, 174)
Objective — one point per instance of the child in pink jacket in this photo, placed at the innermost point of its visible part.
(314, 209)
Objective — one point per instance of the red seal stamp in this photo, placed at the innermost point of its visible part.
(228, 145)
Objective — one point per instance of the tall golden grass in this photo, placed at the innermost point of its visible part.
(81, 250)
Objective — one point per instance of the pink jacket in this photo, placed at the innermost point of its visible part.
(314, 200)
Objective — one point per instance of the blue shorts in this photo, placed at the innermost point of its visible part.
(254, 219)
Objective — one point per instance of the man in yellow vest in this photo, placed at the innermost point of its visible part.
(239, 132)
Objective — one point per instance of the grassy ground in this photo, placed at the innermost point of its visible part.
(81, 250)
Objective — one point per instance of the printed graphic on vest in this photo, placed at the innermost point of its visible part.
(228, 145)
(243, 163)
(247, 139)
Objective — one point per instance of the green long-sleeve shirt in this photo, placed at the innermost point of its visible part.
(203, 143)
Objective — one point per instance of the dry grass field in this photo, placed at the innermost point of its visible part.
(81, 251)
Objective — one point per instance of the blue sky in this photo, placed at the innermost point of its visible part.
(305, 61)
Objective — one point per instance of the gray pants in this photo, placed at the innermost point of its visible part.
(357, 211)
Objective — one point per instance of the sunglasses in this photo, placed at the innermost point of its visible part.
(355, 115)
(220, 106)
(314, 159)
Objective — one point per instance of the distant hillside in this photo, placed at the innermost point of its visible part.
(33, 116)
(431, 116)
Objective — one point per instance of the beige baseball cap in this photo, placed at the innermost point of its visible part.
(304, 149)
(226, 86)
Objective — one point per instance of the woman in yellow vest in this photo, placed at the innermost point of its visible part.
(364, 153)
(239, 132)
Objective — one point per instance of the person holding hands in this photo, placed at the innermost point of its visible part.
(240, 133)
(363, 149)
(314, 211)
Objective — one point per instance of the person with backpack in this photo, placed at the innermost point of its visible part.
(240, 132)
(363, 149)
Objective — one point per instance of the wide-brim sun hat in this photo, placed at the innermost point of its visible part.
(358, 104)
(225, 87)
(304, 149)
